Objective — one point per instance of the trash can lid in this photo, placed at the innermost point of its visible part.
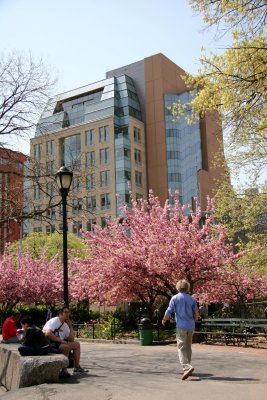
(145, 321)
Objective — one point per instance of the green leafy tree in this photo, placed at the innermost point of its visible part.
(245, 217)
(52, 244)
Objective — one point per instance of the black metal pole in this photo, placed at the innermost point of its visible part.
(65, 249)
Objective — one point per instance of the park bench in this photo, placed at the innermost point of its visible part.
(232, 330)
(17, 371)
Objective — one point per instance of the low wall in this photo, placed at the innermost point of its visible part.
(17, 371)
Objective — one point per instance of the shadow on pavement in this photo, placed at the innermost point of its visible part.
(74, 379)
(221, 378)
(231, 379)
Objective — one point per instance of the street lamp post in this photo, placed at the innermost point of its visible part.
(64, 179)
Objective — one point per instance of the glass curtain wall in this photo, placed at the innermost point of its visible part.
(126, 104)
(183, 147)
(72, 152)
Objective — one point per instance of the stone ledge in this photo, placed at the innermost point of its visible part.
(17, 371)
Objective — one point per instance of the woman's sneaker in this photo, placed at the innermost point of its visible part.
(80, 370)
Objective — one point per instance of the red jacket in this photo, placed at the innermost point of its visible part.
(9, 328)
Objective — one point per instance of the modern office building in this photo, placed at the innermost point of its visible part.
(121, 130)
(11, 195)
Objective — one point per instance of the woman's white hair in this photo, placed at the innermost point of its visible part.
(183, 286)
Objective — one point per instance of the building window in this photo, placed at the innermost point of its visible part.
(37, 229)
(50, 189)
(72, 151)
(4, 161)
(37, 169)
(37, 151)
(103, 222)
(119, 111)
(60, 210)
(90, 182)
(19, 165)
(137, 156)
(77, 206)
(90, 159)
(50, 229)
(51, 214)
(138, 178)
(174, 177)
(173, 133)
(104, 156)
(76, 228)
(127, 175)
(137, 135)
(123, 175)
(123, 152)
(91, 203)
(105, 201)
(50, 168)
(173, 155)
(104, 179)
(133, 95)
(76, 184)
(133, 112)
(90, 137)
(90, 224)
(127, 198)
(37, 193)
(127, 152)
(103, 134)
(38, 214)
(50, 147)
(122, 131)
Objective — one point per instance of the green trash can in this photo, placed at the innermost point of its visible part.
(145, 332)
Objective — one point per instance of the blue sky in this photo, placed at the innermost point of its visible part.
(80, 40)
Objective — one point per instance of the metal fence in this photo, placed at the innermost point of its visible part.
(114, 331)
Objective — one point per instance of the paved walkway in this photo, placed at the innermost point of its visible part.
(134, 372)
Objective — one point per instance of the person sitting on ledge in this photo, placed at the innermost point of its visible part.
(34, 341)
(61, 334)
(9, 329)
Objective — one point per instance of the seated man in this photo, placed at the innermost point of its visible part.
(34, 341)
(9, 329)
(60, 332)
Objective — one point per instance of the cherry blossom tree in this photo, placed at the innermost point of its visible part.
(26, 280)
(139, 256)
(79, 280)
(9, 285)
(41, 280)
(149, 248)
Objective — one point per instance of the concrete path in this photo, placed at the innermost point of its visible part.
(134, 372)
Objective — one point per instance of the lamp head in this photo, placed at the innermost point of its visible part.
(64, 179)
